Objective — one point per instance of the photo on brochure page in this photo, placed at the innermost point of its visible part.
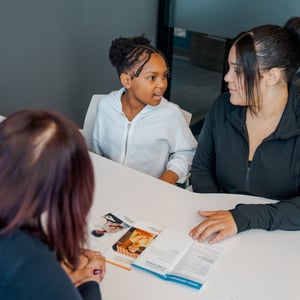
(131, 244)
(107, 225)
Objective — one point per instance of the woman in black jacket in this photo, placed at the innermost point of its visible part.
(250, 142)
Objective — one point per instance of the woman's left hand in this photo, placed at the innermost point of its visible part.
(217, 225)
(96, 261)
(91, 268)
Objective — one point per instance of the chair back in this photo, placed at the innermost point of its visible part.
(187, 116)
(89, 120)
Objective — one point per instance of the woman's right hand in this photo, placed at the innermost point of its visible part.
(216, 226)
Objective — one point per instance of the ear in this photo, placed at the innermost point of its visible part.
(273, 76)
(125, 80)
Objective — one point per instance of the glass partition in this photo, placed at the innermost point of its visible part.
(196, 37)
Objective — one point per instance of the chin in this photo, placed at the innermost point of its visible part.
(155, 103)
(236, 100)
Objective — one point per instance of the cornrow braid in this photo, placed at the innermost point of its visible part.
(140, 68)
(125, 53)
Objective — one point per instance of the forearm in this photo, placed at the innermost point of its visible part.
(90, 291)
(180, 163)
(283, 215)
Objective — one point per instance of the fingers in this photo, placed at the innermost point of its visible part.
(217, 226)
(96, 261)
(91, 267)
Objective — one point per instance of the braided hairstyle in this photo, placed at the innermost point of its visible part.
(126, 53)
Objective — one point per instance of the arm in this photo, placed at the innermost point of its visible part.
(182, 145)
(203, 177)
(169, 176)
(284, 215)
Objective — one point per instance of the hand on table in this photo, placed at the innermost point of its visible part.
(91, 268)
(169, 176)
(219, 224)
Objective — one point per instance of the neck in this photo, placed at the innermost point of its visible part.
(273, 103)
(130, 106)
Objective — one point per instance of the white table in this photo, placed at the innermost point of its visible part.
(256, 264)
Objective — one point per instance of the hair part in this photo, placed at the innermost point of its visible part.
(45, 171)
(263, 48)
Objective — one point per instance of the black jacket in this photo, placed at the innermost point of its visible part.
(221, 164)
(29, 270)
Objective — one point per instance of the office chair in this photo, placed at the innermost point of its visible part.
(89, 120)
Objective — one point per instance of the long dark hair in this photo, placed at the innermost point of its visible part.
(265, 47)
(46, 173)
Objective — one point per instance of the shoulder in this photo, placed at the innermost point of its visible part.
(169, 109)
(17, 238)
(20, 251)
(114, 94)
(112, 99)
(30, 266)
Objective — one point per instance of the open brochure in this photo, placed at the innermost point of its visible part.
(131, 244)
(174, 256)
(168, 253)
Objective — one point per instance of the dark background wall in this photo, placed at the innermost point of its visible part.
(54, 53)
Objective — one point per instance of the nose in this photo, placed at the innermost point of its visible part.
(162, 82)
(228, 76)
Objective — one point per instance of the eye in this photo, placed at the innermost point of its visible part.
(151, 78)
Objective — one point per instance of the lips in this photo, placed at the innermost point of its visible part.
(157, 96)
(231, 90)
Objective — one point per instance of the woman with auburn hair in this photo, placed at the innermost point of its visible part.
(46, 192)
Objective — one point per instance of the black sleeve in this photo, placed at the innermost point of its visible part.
(203, 177)
(284, 215)
(90, 290)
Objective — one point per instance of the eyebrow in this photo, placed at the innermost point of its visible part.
(154, 72)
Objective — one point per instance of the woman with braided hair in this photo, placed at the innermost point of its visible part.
(135, 125)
